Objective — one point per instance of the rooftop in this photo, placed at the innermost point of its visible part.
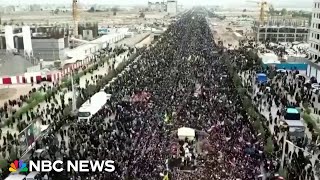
(292, 111)
(11, 65)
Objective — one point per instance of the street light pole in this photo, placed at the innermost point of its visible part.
(74, 98)
(283, 149)
(285, 129)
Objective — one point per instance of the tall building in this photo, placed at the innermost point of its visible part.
(156, 6)
(172, 7)
(282, 30)
(314, 37)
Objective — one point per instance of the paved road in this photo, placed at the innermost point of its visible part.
(134, 40)
(101, 71)
(264, 111)
(223, 34)
(18, 90)
(11, 65)
(67, 94)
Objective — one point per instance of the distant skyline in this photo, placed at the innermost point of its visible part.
(225, 3)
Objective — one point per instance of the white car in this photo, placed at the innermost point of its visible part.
(315, 87)
(281, 70)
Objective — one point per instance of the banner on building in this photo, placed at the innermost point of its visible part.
(30, 134)
(23, 142)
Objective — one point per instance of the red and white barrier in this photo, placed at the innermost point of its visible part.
(12, 80)
(33, 77)
(53, 76)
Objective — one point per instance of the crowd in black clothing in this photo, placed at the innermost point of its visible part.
(283, 90)
(185, 79)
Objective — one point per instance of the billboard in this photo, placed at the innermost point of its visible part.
(30, 135)
(103, 31)
(26, 139)
(23, 142)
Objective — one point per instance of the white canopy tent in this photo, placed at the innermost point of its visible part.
(186, 132)
(270, 58)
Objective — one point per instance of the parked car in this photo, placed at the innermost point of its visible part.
(281, 71)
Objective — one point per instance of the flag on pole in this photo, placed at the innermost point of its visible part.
(166, 118)
(166, 177)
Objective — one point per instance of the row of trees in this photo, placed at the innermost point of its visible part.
(284, 12)
(113, 9)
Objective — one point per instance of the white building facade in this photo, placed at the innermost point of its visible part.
(172, 7)
(314, 35)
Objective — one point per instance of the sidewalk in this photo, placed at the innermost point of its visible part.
(68, 94)
(132, 40)
(264, 111)
(42, 106)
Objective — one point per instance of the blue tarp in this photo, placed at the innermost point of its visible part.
(262, 78)
(290, 66)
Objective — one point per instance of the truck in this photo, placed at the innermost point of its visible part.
(292, 118)
(92, 106)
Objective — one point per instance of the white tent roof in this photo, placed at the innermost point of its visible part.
(270, 58)
(238, 35)
(186, 132)
(272, 44)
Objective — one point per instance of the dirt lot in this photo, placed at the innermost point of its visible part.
(46, 17)
(13, 92)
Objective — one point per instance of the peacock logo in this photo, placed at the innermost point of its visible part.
(19, 166)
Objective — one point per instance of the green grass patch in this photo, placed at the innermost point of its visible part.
(311, 122)
(38, 97)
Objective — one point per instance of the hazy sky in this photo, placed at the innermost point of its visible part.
(233, 3)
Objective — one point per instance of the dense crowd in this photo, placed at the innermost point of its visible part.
(184, 79)
(284, 89)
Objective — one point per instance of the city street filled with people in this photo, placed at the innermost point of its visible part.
(182, 80)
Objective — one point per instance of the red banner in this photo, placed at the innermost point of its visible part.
(141, 97)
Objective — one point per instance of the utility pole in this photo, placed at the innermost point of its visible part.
(283, 148)
(284, 126)
(74, 97)
(75, 16)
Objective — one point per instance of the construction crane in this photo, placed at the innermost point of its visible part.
(75, 16)
(263, 10)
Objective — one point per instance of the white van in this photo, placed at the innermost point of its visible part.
(42, 154)
(92, 106)
(16, 177)
(34, 176)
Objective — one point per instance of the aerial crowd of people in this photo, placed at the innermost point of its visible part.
(286, 88)
(182, 76)
(135, 135)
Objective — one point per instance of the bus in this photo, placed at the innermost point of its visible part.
(293, 119)
(92, 106)
(291, 113)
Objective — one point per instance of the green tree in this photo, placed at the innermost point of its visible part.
(268, 148)
(272, 10)
(67, 111)
(13, 154)
(114, 10)
(56, 11)
(92, 9)
(11, 22)
(142, 15)
(284, 12)
(4, 163)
